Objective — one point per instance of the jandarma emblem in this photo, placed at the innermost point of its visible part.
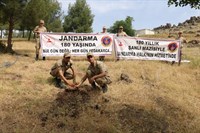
(106, 41)
(172, 47)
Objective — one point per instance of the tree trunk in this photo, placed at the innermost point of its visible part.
(1, 33)
(23, 33)
(10, 32)
(29, 36)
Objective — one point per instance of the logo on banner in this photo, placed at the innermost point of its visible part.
(120, 43)
(106, 41)
(49, 42)
(172, 47)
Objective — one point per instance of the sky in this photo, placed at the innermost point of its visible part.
(147, 14)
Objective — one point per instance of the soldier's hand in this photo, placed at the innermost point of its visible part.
(72, 85)
(91, 80)
(77, 84)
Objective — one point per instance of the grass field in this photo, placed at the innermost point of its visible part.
(161, 98)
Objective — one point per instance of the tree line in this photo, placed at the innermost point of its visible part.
(25, 15)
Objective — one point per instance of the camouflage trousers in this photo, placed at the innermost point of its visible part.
(38, 45)
(67, 75)
(100, 81)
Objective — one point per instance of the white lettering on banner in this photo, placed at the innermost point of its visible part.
(78, 44)
(138, 48)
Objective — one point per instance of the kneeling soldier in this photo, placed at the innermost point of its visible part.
(59, 71)
(96, 73)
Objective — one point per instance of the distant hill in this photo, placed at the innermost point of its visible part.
(190, 26)
(190, 29)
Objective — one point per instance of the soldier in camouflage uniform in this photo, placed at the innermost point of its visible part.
(39, 29)
(96, 73)
(183, 41)
(59, 71)
(104, 31)
(121, 33)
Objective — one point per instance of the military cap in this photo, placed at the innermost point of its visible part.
(67, 54)
(180, 32)
(121, 27)
(90, 54)
(104, 27)
(41, 21)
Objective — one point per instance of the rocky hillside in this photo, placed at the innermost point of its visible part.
(190, 29)
(191, 26)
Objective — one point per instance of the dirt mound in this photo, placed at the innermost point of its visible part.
(70, 104)
(67, 105)
(71, 111)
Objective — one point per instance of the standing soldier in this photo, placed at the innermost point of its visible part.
(104, 30)
(39, 29)
(59, 71)
(96, 73)
(121, 33)
(183, 41)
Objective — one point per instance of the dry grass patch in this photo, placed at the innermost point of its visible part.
(161, 98)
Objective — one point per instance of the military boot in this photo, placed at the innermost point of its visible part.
(105, 88)
(94, 86)
(59, 83)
